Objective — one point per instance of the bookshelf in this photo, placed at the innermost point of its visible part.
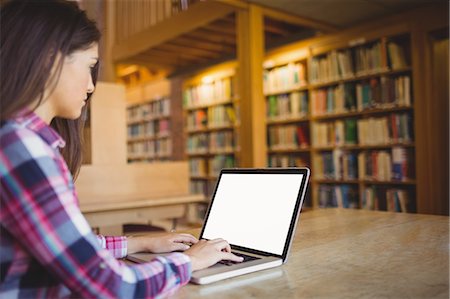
(150, 125)
(211, 113)
(346, 109)
(287, 115)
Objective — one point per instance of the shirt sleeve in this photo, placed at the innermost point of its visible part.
(118, 246)
(39, 206)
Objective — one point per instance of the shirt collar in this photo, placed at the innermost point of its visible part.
(32, 121)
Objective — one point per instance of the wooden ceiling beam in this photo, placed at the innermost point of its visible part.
(276, 30)
(221, 28)
(164, 54)
(187, 50)
(297, 20)
(158, 58)
(216, 38)
(191, 49)
(201, 43)
(198, 15)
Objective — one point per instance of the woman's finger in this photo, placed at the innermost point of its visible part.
(222, 245)
(185, 239)
(179, 247)
(231, 257)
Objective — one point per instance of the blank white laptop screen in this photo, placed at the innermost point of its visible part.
(254, 210)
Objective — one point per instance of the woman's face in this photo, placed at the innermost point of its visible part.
(75, 82)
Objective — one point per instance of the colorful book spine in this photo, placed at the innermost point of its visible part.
(288, 137)
(217, 91)
(284, 78)
(342, 196)
(287, 161)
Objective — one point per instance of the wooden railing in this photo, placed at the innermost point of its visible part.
(135, 16)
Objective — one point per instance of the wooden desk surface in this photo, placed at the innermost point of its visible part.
(340, 253)
(121, 210)
(121, 203)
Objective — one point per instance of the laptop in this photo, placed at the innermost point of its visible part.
(256, 211)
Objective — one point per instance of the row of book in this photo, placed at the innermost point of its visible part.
(335, 165)
(218, 116)
(287, 106)
(342, 196)
(215, 142)
(391, 129)
(155, 108)
(284, 78)
(152, 128)
(221, 142)
(334, 99)
(210, 167)
(372, 198)
(288, 137)
(201, 187)
(395, 128)
(149, 149)
(218, 162)
(370, 59)
(384, 92)
(387, 199)
(286, 161)
(332, 66)
(397, 58)
(394, 165)
(197, 167)
(218, 91)
(363, 60)
(336, 133)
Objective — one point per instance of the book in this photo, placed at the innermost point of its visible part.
(396, 56)
(350, 127)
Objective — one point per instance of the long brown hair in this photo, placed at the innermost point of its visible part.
(32, 33)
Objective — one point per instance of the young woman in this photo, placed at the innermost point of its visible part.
(49, 62)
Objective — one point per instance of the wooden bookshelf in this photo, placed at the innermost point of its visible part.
(356, 129)
(150, 114)
(288, 118)
(211, 113)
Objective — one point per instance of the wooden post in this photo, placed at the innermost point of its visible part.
(250, 53)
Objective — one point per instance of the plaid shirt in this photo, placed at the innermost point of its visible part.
(47, 248)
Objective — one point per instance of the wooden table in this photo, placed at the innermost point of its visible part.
(117, 211)
(340, 253)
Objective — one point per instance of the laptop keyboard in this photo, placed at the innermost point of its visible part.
(247, 258)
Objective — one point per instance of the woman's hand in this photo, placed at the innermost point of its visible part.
(159, 243)
(207, 253)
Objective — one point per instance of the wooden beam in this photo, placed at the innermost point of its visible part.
(173, 47)
(175, 57)
(201, 43)
(271, 28)
(156, 59)
(235, 3)
(214, 37)
(183, 51)
(250, 49)
(229, 29)
(297, 20)
(199, 14)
